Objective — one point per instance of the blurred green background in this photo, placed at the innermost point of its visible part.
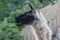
(9, 9)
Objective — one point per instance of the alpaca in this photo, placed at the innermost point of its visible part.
(35, 18)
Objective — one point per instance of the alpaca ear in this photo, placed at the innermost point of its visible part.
(30, 5)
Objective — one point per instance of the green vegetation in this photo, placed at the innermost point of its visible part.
(9, 9)
(8, 28)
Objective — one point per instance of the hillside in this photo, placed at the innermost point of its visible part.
(52, 14)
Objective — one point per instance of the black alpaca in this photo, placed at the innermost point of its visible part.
(27, 17)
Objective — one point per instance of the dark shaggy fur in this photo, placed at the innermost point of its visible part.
(27, 17)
